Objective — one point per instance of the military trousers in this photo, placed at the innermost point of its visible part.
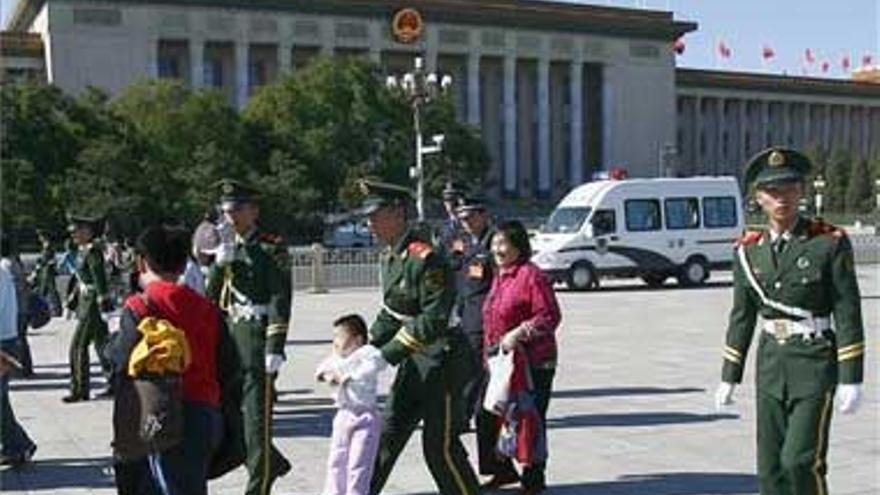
(476, 374)
(429, 397)
(793, 444)
(264, 462)
(90, 329)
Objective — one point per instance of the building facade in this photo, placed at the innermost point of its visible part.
(726, 117)
(558, 91)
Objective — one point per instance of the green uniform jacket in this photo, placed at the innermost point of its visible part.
(91, 291)
(259, 276)
(814, 272)
(46, 272)
(417, 299)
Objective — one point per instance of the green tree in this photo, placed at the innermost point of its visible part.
(42, 131)
(338, 121)
(859, 190)
(837, 173)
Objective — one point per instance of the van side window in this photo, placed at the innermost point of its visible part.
(719, 212)
(682, 213)
(642, 214)
(604, 222)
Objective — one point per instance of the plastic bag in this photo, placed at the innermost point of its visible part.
(498, 389)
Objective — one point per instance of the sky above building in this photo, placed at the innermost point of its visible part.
(831, 30)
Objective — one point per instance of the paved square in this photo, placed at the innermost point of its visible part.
(631, 412)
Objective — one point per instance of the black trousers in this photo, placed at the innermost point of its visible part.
(488, 428)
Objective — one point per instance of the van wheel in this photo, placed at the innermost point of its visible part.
(581, 276)
(654, 280)
(694, 272)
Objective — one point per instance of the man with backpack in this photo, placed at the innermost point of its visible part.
(209, 373)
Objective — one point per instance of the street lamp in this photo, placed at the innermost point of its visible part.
(818, 186)
(420, 88)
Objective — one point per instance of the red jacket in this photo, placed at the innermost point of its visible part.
(199, 318)
(521, 293)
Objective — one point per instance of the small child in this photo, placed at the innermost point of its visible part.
(352, 369)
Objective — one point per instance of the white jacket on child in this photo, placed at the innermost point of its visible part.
(360, 373)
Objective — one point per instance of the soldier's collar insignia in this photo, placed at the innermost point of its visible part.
(776, 159)
(803, 263)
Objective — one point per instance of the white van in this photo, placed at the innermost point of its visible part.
(648, 228)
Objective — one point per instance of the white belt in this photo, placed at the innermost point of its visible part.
(248, 311)
(783, 329)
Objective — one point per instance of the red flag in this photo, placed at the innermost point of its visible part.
(808, 56)
(723, 50)
(867, 60)
(767, 52)
(679, 46)
(844, 63)
(825, 66)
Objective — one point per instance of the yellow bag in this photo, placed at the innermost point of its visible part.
(163, 349)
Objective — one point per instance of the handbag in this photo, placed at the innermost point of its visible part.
(39, 313)
(497, 393)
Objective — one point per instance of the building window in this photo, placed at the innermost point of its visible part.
(213, 73)
(169, 67)
(682, 213)
(642, 215)
(719, 212)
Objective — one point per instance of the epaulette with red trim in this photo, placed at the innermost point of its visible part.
(749, 237)
(818, 226)
(420, 249)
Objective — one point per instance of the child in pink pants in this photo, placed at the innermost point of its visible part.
(352, 370)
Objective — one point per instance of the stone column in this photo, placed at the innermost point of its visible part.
(808, 115)
(609, 110)
(510, 175)
(721, 159)
(544, 171)
(847, 125)
(197, 62)
(242, 76)
(576, 122)
(432, 43)
(376, 42)
(699, 137)
(765, 124)
(866, 132)
(826, 129)
(285, 57)
(473, 88)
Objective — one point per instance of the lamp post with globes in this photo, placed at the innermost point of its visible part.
(420, 88)
(819, 186)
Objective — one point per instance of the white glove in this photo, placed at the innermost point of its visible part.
(225, 251)
(724, 395)
(274, 362)
(849, 395)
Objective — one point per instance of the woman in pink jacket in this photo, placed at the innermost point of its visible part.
(521, 309)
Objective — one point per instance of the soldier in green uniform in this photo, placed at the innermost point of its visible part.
(250, 280)
(46, 272)
(411, 330)
(795, 275)
(90, 300)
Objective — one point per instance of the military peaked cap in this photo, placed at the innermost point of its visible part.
(776, 166)
(381, 194)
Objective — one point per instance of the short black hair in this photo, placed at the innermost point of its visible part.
(354, 324)
(516, 233)
(165, 248)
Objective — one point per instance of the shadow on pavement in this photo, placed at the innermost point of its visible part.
(659, 484)
(308, 342)
(587, 393)
(57, 474)
(633, 419)
(303, 422)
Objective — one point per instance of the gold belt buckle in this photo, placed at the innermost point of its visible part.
(781, 330)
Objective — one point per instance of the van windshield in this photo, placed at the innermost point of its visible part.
(568, 219)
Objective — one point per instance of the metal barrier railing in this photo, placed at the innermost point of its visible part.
(319, 269)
